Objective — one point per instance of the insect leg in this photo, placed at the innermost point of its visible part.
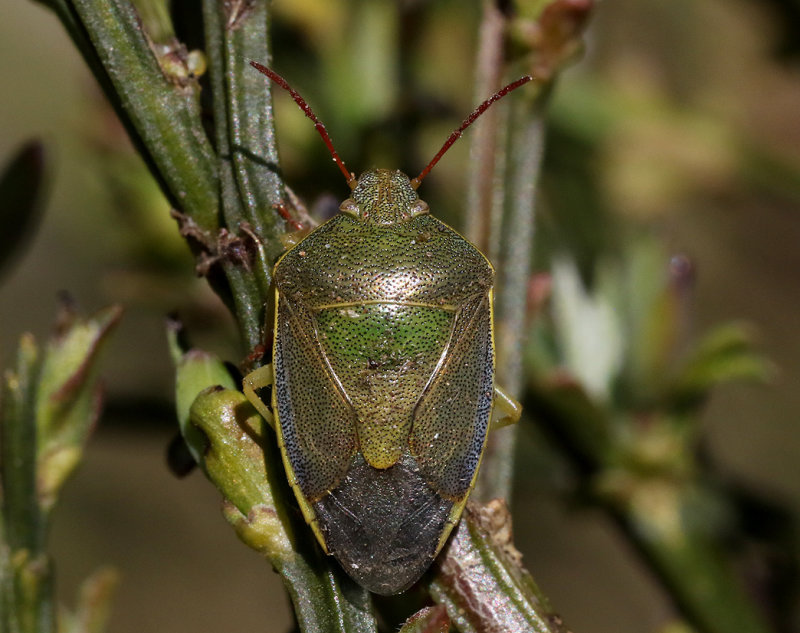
(505, 410)
(255, 380)
(300, 208)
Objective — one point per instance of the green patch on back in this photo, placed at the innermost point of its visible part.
(383, 356)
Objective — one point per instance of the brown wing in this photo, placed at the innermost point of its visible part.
(316, 422)
(452, 418)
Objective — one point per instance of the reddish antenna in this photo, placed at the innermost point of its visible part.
(351, 179)
(469, 121)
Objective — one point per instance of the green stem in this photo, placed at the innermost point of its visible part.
(247, 154)
(513, 272)
(501, 212)
(26, 575)
(484, 135)
(164, 113)
(24, 529)
(251, 129)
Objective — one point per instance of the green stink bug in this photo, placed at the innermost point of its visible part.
(382, 372)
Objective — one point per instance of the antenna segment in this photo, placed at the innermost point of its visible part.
(351, 179)
(349, 176)
(467, 122)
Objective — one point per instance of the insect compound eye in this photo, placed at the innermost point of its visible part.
(418, 208)
(350, 207)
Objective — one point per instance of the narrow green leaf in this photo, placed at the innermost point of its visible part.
(724, 355)
(195, 371)
(67, 399)
(94, 603)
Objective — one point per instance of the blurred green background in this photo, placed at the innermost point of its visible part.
(682, 120)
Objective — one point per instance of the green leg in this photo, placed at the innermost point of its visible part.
(255, 380)
(505, 410)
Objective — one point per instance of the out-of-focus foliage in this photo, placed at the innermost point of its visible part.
(50, 404)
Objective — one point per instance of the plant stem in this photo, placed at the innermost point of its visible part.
(483, 153)
(504, 173)
(514, 269)
(165, 114)
(482, 583)
(247, 155)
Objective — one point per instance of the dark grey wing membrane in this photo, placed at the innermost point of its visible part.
(452, 417)
(383, 526)
(317, 423)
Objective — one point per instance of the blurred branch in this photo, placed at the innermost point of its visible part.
(543, 38)
(484, 141)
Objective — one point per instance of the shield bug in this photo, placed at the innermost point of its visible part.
(382, 372)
